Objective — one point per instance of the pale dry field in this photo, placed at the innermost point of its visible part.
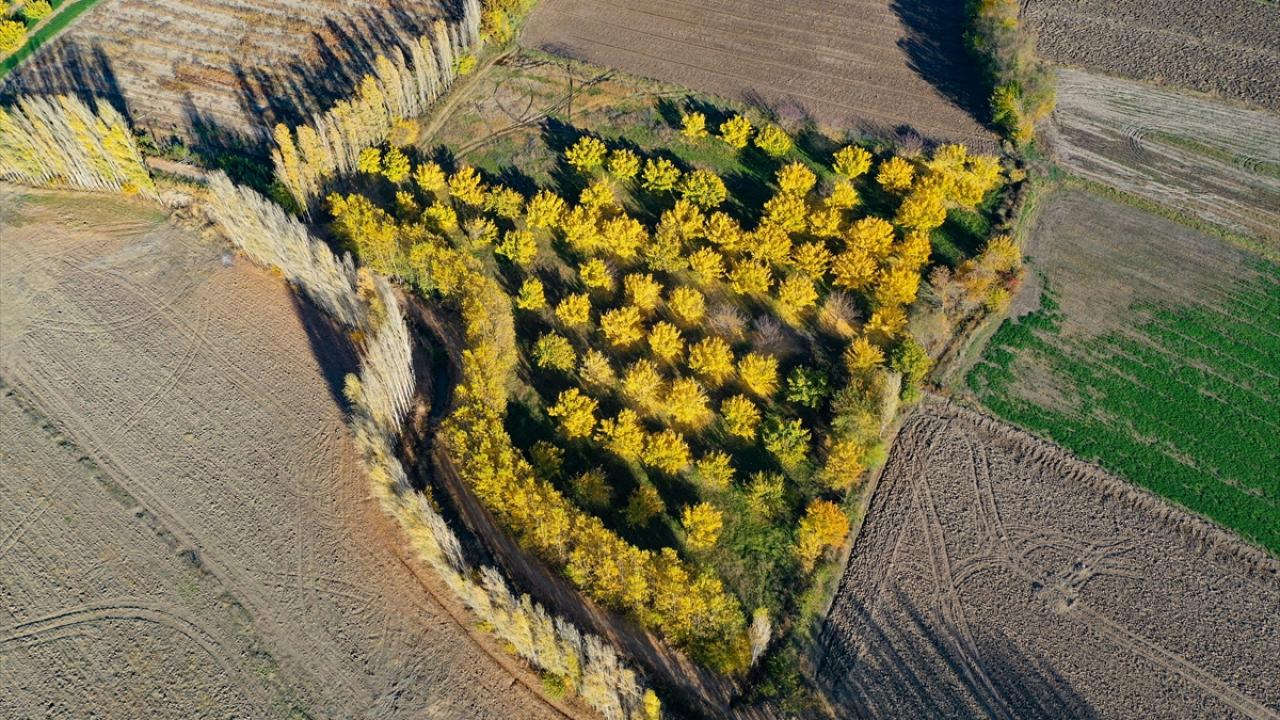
(999, 577)
(192, 535)
(873, 66)
(1190, 152)
(196, 68)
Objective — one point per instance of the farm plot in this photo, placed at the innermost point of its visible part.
(1229, 48)
(1155, 352)
(189, 378)
(199, 67)
(999, 577)
(875, 67)
(1188, 152)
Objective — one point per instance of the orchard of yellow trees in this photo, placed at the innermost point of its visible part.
(666, 391)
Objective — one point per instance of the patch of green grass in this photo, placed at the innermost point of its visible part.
(1186, 403)
(66, 11)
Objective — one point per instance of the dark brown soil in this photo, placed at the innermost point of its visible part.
(875, 67)
(1228, 47)
(999, 577)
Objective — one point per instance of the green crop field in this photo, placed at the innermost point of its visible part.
(1179, 396)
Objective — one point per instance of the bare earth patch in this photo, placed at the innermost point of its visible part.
(997, 576)
(1228, 47)
(874, 67)
(220, 555)
(1215, 160)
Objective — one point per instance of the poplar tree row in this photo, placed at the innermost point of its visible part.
(59, 141)
(399, 88)
(379, 396)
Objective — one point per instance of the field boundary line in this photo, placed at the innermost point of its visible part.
(1201, 533)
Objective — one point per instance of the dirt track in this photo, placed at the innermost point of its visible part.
(215, 552)
(870, 67)
(1226, 47)
(997, 576)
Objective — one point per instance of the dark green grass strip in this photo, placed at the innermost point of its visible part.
(63, 18)
(1185, 404)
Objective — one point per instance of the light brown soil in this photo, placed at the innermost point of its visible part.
(997, 576)
(1226, 47)
(1206, 157)
(195, 67)
(872, 67)
(187, 381)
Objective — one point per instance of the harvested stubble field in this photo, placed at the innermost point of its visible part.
(1229, 48)
(184, 525)
(1218, 161)
(197, 67)
(999, 577)
(877, 67)
(1155, 353)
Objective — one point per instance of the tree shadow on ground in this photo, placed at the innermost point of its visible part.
(905, 661)
(936, 50)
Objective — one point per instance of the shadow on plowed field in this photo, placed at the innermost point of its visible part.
(936, 51)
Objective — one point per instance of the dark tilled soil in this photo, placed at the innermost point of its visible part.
(998, 577)
(875, 67)
(1229, 47)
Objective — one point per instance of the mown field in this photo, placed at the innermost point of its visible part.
(1154, 352)
(1213, 160)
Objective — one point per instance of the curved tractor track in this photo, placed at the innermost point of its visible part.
(189, 531)
(998, 577)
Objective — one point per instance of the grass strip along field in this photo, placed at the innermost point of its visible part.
(1186, 403)
(64, 13)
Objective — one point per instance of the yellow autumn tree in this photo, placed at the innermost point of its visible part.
(574, 310)
(823, 526)
(624, 164)
(741, 416)
(531, 295)
(736, 132)
(759, 374)
(586, 155)
(702, 525)
(851, 161)
(895, 174)
(665, 341)
(642, 386)
(643, 291)
(712, 360)
(623, 435)
(622, 327)
(688, 405)
(576, 413)
(693, 126)
(545, 210)
(667, 451)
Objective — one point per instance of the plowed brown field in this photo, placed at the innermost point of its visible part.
(996, 576)
(873, 66)
(192, 536)
(1227, 47)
